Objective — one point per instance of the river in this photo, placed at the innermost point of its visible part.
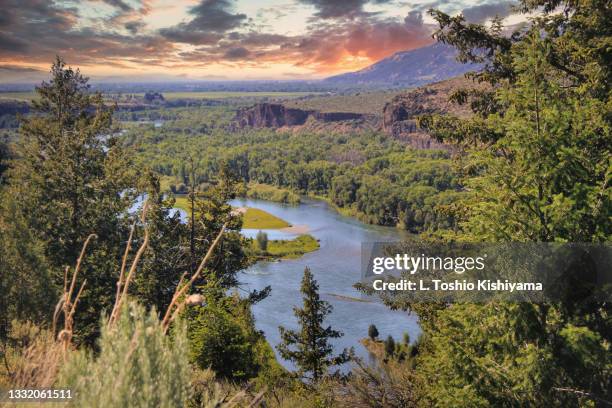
(336, 266)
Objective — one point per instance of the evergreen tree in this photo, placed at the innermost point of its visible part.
(390, 346)
(69, 178)
(212, 212)
(537, 169)
(221, 336)
(373, 332)
(166, 257)
(309, 348)
(262, 240)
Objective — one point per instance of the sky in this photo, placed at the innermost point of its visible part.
(217, 39)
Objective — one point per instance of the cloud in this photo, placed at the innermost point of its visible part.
(236, 53)
(344, 35)
(35, 31)
(329, 9)
(483, 12)
(210, 18)
(134, 26)
(351, 44)
(120, 4)
(19, 69)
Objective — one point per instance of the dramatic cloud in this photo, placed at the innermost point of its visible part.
(340, 8)
(120, 4)
(483, 12)
(134, 26)
(211, 37)
(210, 19)
(350, 44)
(36, 31)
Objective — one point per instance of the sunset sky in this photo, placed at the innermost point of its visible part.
(217, 39)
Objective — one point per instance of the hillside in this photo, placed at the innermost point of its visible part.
(424, 65)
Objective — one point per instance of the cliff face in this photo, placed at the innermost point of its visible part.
(399, 115)
(270, 115)
(276, 115)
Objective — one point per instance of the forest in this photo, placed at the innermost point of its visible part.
(133, 307)
(366, 174)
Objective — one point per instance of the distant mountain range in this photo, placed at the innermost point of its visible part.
(420, 66)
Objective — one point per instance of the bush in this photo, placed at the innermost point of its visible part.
(217, 341)
(390, 346)
(262, 240)
(137, 365)
(373, 332)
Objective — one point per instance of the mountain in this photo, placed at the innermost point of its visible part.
(420, 66)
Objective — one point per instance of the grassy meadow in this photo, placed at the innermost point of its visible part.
(287, 249)
(252, 218)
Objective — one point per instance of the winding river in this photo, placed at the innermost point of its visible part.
(336, 266)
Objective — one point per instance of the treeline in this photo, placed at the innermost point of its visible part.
(370, 175)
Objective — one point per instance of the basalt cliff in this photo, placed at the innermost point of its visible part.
(398, 116)
(274, 115)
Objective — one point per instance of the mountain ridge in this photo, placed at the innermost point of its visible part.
(420, 66)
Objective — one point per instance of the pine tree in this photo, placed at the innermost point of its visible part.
(262, 240)
(309, 347)
(70, 177)
(373, 332)
(212, 212)
(389, 346)
(166, 257)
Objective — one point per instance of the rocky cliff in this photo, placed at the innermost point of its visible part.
(399, 115)
(272, 115)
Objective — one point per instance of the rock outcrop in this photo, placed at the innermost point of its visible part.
(271, 115)
(399, 115)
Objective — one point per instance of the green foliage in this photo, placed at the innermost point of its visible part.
(219, 343)
(222, 337)
(166, 257)
(69, 175)
(372, 332)
(537, 167)
(137, 366)
(309, 348)
(271, 193)
(212, 211)
(367, 174)
(287, 249)
(262, 240)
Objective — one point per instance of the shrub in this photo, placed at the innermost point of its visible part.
(262, 240)
(217, 341)
(390, 346)
(373, 332)
(137, 365)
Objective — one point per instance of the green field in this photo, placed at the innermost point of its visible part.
(230, 95)
(288, 249)
(27, 96)
(252, 218)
